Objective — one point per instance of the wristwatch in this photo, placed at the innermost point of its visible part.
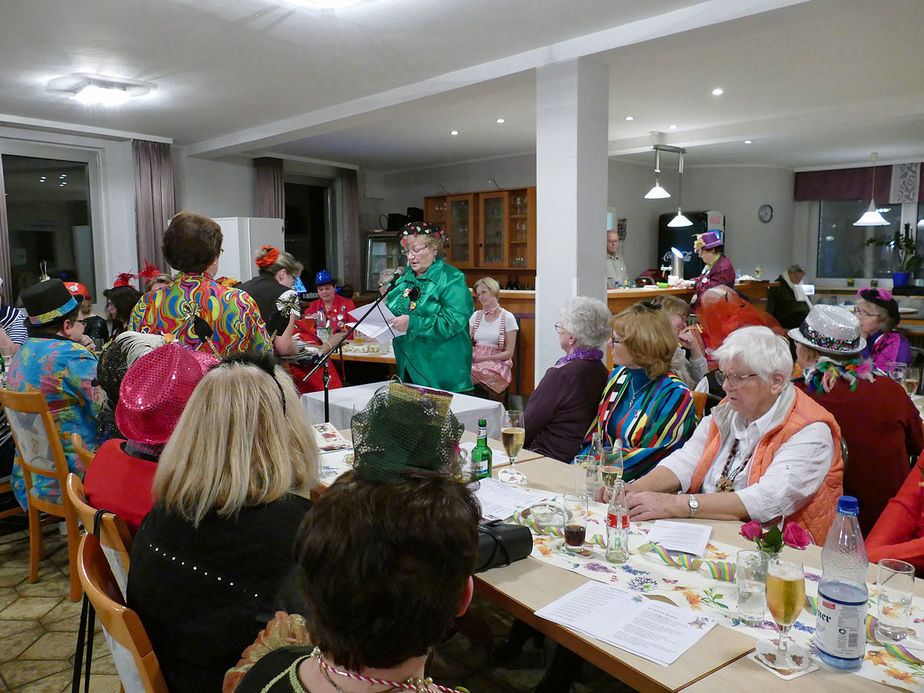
(694, 504)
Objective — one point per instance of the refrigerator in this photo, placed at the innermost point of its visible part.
(383, 251)
(682, 238)
(243, 237)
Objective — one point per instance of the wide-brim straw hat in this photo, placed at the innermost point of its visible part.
(830, 330)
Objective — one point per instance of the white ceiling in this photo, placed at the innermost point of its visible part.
(379, 85)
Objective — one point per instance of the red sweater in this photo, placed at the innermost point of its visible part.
(900, 530)
(882, 429)
(120, 483)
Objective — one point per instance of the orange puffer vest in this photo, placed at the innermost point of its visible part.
(796, 411)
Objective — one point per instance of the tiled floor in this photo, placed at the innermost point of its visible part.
(38, 633)
(38, 623)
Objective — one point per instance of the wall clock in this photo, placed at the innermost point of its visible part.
(765, 213)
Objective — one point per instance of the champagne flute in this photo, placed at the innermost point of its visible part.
(785, 599)
(513, 434)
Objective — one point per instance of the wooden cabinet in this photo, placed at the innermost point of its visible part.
(490, 230)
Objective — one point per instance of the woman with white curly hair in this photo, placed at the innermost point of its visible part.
(564, 402)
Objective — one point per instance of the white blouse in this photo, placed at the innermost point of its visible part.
(488, 333)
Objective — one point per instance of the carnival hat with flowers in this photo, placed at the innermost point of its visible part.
(269, 257)
(883, 299)
(420, 228)
(708, 240)
(830, 330)
(78, 290)
(406, 431)
(155, 390)
(47, 301)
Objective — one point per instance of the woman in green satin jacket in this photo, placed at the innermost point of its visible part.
(433, 303)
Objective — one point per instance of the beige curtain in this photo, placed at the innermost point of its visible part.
(154, 200)
(269, 193)
(351, 242)
(6, 271)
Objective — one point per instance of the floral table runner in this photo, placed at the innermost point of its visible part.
(710, 588)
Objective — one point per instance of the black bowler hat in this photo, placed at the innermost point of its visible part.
(47, 301)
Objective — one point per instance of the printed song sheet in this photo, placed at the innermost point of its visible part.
(653, 630)
(499, 501)
(680, 536)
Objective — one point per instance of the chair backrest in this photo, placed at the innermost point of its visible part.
(699, 403)
(86, 456)
(113, 532)
(123, 624)
(38, 445)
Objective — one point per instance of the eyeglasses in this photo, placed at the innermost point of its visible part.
(407, 252)
(84, 321)
(558, 327)
(733, 380)
(612, 341)
(866, 313)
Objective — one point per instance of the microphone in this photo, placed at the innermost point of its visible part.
(394, 278)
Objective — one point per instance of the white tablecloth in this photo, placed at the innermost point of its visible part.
(345, 401)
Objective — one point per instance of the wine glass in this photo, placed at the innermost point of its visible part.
(757, 271)
(512, 436)
(785, 600)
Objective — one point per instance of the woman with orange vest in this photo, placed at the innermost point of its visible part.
(767, 452)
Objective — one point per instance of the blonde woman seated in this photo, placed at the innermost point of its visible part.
(494, 334)
(645, 409)
(209, 559)
(767, 451)
(688, 362)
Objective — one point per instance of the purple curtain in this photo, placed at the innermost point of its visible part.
(6, 271)
(269, 192)
(351, 242)
(843, 184)
(154, 200)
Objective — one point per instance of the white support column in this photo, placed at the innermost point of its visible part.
(572, 116)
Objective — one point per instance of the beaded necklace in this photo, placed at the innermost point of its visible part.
(417, 685)
(727, 482)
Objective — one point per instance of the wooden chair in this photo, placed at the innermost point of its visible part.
(36, 435)
(699, 403)
(122, 624)
(83, 454)
(114, 534)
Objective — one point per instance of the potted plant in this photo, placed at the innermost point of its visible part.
(905, 245)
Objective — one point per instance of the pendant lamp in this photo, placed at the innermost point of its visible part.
(872, 217)
(680, 220)
(657, 192)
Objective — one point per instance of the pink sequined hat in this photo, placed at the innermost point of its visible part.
(155, 390)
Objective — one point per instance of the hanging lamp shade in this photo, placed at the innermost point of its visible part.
(657, 192)
(680, 220)
(872, 217)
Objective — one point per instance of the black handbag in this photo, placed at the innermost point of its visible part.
(501, 544)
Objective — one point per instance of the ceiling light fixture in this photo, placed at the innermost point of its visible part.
(630, 117)
(680, 220)
(500, 121)
(749, 141)
(453, 132)
(872, 217)
(671, 127)
(718, 91)
(328, 4)
(657, 192)
(98, 89)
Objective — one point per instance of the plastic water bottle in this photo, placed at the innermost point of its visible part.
(617, 525)
(840, 629)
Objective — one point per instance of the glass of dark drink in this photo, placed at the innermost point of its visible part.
(576, 508)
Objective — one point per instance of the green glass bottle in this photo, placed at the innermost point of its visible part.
(481, 453)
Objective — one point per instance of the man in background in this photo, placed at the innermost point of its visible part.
(788, 302)
(616, 273)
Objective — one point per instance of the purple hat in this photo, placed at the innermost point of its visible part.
(708, 240)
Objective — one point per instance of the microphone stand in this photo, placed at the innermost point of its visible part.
(325, 360)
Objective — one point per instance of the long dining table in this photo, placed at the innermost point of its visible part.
(716, 662)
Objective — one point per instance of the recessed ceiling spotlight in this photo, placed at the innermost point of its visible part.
(749, 141)
(718, 91)
(630, 117)
(671, 127)
(453, 132)
(499, 121)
